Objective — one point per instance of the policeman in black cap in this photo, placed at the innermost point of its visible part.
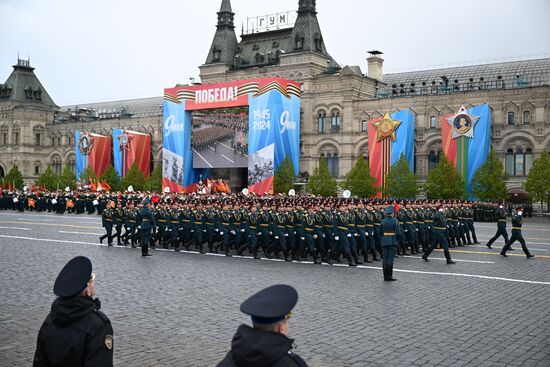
(265, 343)
(75, 332)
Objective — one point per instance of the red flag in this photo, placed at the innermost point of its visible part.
(105, 185)
(92, 185)
(9, 186)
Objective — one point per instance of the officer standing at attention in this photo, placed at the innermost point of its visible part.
(389, 229)
(517, 222)
(75, 333)
(266, 342)
(147, 220)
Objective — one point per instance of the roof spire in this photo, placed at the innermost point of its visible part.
(306, 6)
(226, 6)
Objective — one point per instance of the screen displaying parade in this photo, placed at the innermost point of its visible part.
(248, 186)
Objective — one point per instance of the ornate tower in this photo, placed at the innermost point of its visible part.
(306, 35)
(224, 45)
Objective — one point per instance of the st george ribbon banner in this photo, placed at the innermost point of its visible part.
(389, 138)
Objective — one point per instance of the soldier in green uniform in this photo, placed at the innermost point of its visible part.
(119, 221)
(501, 227)
(107, 219)
(517, 222)
(342, 235)
(439, 229)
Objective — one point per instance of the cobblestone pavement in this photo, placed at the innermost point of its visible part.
(181, 309)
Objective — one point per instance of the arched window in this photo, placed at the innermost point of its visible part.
(364, 125)
(511, 118)
(3, 135)
(56, 164)
(432, 160)
(433, 122)
(72, 163)
(526, 117)
(335, 121)
(321, 119)
(333, 162)
(518, 162)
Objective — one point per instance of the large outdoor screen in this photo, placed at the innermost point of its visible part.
(219, 138)
(252, 124)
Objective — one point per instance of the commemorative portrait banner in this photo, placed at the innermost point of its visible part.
(93, 151)
(466, 140)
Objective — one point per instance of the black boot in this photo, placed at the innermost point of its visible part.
(426, 254)
(448, 257)
(350, 260)
(390, 274)
(385, 270)
(101, 238)
(287, 257)
(316, 258)
(356, 259)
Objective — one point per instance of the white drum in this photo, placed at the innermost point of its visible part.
(15, 200)
(95, 202)
(54, 201)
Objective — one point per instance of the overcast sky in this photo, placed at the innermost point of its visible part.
(100, 50)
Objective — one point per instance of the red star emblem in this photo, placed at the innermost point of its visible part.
(125, 141)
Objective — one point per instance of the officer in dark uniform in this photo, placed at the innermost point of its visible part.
(75, 333)
(389, 227)
(517, 222)
(501, 227)
(265, 343)
(146, 222)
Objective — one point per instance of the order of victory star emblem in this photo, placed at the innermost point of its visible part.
(386, 127)
(462, 124)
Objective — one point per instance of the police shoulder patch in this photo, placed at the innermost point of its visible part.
(109, 341)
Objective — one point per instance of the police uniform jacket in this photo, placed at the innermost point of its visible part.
(75, 334)
(254, 348)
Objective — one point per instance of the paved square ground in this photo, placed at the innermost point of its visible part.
(181, 309)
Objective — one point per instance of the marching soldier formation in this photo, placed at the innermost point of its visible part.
(292, 228)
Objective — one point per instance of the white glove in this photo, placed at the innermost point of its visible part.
(242, 229)
(276, 237)
(417, 229)
(356, 234)
(192, 230)
(348, 235)
(366, 234)
(204, 230)
(302, 238)
(259, 234)
(181, 229)
(233, 232)
(324, 235)
(139, 227)
(286, 234)
(406, 230)
(337, 238)
(216, 230)
(315, 237)
(221, 233)
(270, 233)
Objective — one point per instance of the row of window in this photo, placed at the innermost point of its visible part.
(335, 122)
(4, 138)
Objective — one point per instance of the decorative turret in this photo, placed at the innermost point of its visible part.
(23, 86)
(306, 35)
(224, 45)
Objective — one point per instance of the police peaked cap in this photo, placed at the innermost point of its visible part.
(73, 278)
(271, 304)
